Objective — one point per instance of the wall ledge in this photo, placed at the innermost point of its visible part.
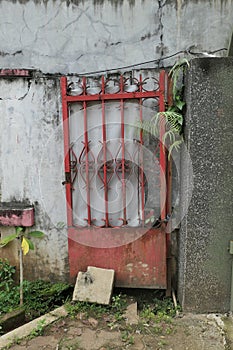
(16, 214)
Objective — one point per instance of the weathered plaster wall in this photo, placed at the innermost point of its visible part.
(204, 260)
(81, 36)
(31, 152)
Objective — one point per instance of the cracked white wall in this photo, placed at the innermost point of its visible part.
(81, 36)
(31, 152)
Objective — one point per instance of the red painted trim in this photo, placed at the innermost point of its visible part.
(141, 157)
(104, 136)
(65, 114)
(118, 96)
(15, 73)
(86, 145)
(162, 148)
(123, 152)
(17, 217)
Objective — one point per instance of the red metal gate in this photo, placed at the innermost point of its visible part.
(133, 244)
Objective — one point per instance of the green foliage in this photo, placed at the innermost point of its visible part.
(25, 246)
(9, 299)
(86, 308)
(23, 235)
(160, 308)
(175, 73)
(6, 275)
(8, 239)
(119, 302)
(127, 337)
(39, 296)
(116, 308)
(39, 330)
(172, 118)
(9, 295)
(157, 317)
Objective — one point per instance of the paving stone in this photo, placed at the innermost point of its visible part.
(94, 286)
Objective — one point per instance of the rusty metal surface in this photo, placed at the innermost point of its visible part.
(139, 264)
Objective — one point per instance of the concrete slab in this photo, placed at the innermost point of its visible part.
(95, 285)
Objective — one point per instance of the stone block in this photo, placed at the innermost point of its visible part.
(95, 285)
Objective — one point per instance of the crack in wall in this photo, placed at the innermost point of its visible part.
(3, 54)
(21, 97)
(76, 19)
(161, 4)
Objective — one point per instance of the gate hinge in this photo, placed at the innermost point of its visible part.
(67, 178)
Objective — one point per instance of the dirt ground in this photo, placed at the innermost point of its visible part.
(80, 331)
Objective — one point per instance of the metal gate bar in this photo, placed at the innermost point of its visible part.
(121, 96)
(162, 149)
(141, 155)
(105, 157)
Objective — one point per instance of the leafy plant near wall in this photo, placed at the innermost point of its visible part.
(172, 118)
(26, 244)
(40, 296)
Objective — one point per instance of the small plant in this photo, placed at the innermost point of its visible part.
(119, 302)
(25, 245)
(127, 337)
(41, 296)
(39, 328)
(172, 118)
(157, 317)
(6, 275)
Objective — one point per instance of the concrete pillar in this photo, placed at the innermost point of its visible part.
(204, 278)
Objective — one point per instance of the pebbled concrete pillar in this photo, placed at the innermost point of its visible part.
(204, 281)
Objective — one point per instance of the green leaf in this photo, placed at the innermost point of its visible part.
(8, 239)
(180, 104)
(36, 234)
(18, 229)
(175, 145)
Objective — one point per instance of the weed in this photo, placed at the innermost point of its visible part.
(41, 297)
(87, 309)
(6, 275)
(117, 308)
(119, 302)
(127, 337)
(39, 330)
(147, 313)
(157, 318)
(162, 343)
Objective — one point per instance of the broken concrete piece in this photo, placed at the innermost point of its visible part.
(131, 314)
(94, 286)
